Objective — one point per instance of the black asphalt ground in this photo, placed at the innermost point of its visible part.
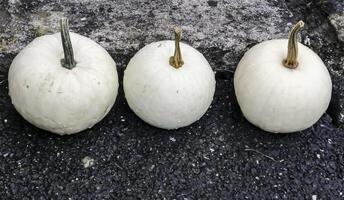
(221, 156)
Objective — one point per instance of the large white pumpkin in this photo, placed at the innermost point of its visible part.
(277, 98)
(165, 96)
(58, 99)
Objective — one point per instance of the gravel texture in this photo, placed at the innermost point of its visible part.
(336, 16)
(221, 156)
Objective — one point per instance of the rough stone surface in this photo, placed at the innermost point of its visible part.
(221, 156)
(337, 20)
(124, 27)
(336, 16)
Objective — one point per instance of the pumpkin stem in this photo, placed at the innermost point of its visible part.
(291, 60)
(68, 60)
(176, 60)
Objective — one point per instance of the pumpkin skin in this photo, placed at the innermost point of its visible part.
(164, 96)
(278, 99)
(60, 100)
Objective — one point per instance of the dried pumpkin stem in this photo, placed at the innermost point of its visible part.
(176, 60)
(68, 60)
(291, 60)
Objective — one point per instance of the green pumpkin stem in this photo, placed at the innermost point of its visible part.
(291, 60)
(176, 60)
(68, 60)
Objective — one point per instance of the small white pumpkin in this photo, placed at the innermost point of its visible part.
(282, 95)
(169, 92)
(63, 96)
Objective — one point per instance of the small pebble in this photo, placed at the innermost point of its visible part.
(87, 162)
(173, 139)
(314, 197)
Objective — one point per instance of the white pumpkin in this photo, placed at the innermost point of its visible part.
(282, 95)
(169, 92)
(63, 96)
